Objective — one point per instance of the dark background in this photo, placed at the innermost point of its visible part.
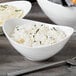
(32, 0)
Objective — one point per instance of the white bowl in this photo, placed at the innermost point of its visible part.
(36, 53)
(23, 5)
(59, 14)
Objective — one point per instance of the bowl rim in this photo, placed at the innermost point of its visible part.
(56, 4)
(51, 2)
(44, 46)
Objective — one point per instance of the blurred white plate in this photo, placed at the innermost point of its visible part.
(23, 5)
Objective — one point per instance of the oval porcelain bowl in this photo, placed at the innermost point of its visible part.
(36, 53)
(25, 6)
(59, 14)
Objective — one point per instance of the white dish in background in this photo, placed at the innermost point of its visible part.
(36, 53)
(25, 6)
(59, 14)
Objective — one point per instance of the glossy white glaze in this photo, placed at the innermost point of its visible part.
(59, 14)
(36, 53)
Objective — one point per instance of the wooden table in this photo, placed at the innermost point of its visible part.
(11, 60)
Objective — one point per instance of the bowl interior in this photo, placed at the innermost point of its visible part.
(10, 25)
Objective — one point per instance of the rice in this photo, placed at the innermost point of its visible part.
(8, 12)
(37, 35)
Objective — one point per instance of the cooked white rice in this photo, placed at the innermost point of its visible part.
(37, 35)
(8, 11)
